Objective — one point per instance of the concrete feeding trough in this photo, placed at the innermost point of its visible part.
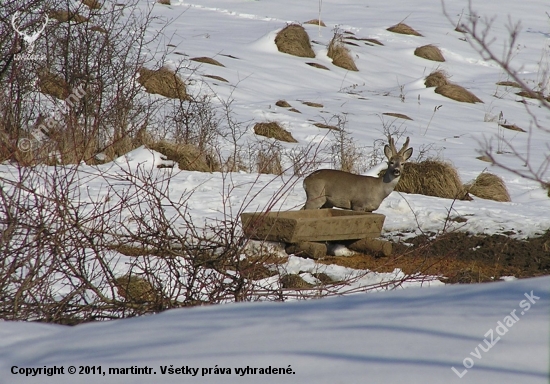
(307, 231)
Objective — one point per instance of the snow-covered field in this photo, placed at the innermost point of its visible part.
(412, 336)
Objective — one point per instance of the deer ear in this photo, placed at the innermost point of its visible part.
(408, 153)
(388, 152)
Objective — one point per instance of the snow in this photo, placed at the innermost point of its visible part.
(404, 335)
(414, 336)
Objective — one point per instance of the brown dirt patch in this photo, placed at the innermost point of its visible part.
(461, 258)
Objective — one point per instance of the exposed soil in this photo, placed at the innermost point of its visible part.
(461, 258)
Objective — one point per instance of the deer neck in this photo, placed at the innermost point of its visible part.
(389, 181)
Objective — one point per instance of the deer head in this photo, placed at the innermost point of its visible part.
(29, 39)
(396, 158)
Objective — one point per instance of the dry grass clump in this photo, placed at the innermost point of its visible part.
(294, 40)
(53, 85)
(436, 79)
(512, 127)
(64, 16)
(163, 82)
(316, 22)
(293, 281)
(92, 4)
(340, 54)
(326, 126)
(164, 2)
(269, 161)
(312, 104)
(274, 131)
(397, 115)
(283, 104)
(403, 29)
(317, 65)
(489, 186)
(509, 84)
(187, 156)
(432, 178)
(135, 289)
(458, 93)
(207, 60)
(429, 52)
(219, 78)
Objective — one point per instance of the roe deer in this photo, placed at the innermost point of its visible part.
(327, 188)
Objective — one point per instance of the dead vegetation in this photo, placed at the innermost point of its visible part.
(207, 60)
(219, 78)
(317, 65)
(312, 104)
(340, 55)
(187, 156)
(429, 52)
(512, 127)
(283, 104)
(92, 4)
(397, 115)
(274, 131)
(294, 40)
(403, 29)
(316, 22)
(458, 93)
(489, 186)
(64, 16)
(164, 2)
(432, 178)
(326, 126)
(509, 84)
(53, 85)
(163, 82)
(436, 79)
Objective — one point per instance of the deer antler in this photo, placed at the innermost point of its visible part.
(392, 145)
(405, 146)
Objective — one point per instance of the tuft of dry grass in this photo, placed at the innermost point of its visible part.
(187, 156)
(294, 281)
(512, 127)
(163, 82)
(268, 161)
(219, 78)
(65, 16)
(312, 104)
(53, 85)
(403, 29)
(294, 40)
(436, 79)
(207, 60)
(429, 52)
(509, 84)
(316, 22)
(317, 65)
(274, 131)
(489, 186)
(283, 104)
(326, 126)
(92, 4)
(432, 178)
(340, 55)
(164, 2)
(135, 289)
(458, 93)
(398, 115)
